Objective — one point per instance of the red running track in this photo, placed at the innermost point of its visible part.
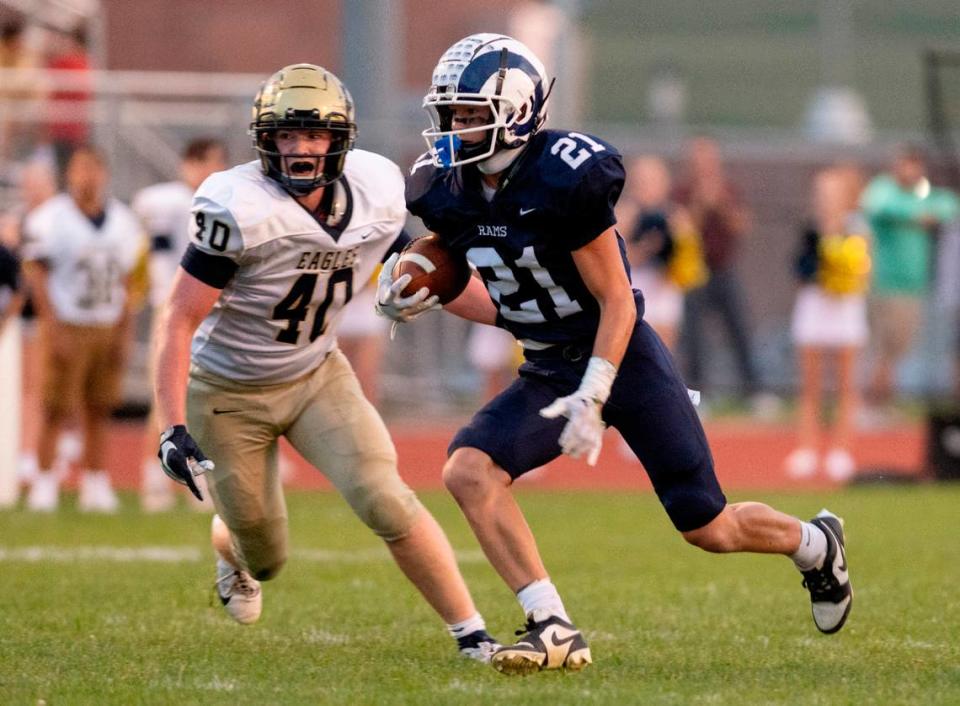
(748, 456)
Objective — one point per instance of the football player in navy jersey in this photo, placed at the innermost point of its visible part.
(532, 210)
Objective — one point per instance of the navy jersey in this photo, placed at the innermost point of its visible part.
(557, 197)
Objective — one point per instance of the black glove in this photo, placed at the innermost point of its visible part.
(181, 458)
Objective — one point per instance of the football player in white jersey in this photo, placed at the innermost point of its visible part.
(164, 210)
(80, 249)
(279, 246)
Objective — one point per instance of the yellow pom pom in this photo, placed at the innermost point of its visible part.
(844, 264)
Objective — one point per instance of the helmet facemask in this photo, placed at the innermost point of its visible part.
(301, 174)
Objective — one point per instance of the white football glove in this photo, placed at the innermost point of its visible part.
(583, 434)
(393, 306)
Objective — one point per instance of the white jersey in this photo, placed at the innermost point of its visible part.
(287, 277)
(164, 210)
(88, 264)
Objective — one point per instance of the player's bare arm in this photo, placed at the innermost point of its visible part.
(602, 270)
(474, 304)
(189, 303)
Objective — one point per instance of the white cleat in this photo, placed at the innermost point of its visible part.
(479, 646)
(831, 594)
(802, 463)
(239, 593)
(546, 642)
(840, 465)
(27, 468)
(96, 493)
(44, 495)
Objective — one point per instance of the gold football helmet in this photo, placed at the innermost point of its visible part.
(303, 96)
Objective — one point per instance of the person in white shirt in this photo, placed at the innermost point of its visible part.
(164, 210)
(80, 249)
(280, 245)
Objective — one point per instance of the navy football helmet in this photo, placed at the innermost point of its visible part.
(492, 71)
(303, 96)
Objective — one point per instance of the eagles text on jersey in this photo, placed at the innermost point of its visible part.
(558, 197)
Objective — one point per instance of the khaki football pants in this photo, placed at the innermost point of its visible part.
(326, 418)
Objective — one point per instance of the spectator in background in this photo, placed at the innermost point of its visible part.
(80, 250)
(722, 222)
(164, 211)
(69, 125)
(36, 184)
(830, 318)
(663, 249)
(905, 214)
(15, 55)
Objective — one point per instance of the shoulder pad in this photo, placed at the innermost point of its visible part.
(37, 230)
(377, 187)
(566, 157)
(422, 175)
(214, 228)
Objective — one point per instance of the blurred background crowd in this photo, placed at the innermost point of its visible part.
(790, 213)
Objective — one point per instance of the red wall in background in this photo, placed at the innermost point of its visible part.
(222, 35)
(245, 36)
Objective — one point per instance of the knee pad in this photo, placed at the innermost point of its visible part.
(390, 512)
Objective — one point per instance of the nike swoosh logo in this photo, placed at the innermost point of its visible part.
(165, 448)
(561, 637)
(226, 411)
(525, 211)
(840, 563)
(561, 643)
(842, 569)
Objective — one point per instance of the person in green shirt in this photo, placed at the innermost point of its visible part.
(905, 214)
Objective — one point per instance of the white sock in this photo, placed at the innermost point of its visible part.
(542, 595)
(813, 547)
(28, 467)
(466, 627)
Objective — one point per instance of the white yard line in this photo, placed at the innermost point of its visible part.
(185, 554)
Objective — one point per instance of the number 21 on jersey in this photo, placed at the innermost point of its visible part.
(571, 150)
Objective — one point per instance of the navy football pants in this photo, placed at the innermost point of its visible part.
(648, 405)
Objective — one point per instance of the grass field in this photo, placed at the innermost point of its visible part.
(120, 610)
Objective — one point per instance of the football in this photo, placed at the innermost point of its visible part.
(434, 266)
